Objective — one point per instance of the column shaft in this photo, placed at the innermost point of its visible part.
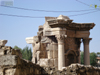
(61, 55)
(86, 51)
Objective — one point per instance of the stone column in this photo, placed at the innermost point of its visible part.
(61, 55)
(86, 51)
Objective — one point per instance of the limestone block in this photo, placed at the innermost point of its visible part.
(8, 60)
(58, 31)
(1, 52)
(7, 51)
(29, 40)
(49, 47)
(51, 62)
(50, 18)
(40, 28)
(1, 72)
(50, 54)
(56, 62)
(16, 52)
(33, 60)
(46, 62)
(38, 55)
(82, 34)
(70, 33)
(55, 53)
(43, 54)
(10, 71)
(36, 47)
(3, 42)
(55, 46)
(48, 32)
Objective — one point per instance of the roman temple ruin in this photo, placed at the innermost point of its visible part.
(57, 43)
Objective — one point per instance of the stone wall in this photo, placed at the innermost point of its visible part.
(11, 63)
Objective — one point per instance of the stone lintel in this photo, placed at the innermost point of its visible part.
(29, 40)
(55, 31)
(82, 34)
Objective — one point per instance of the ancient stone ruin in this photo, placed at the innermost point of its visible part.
(57, 43)
(56, 50)
(11, 63)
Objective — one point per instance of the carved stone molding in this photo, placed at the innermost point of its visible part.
(86, 41)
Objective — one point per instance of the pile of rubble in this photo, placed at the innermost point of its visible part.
(11, 62)
(74, 69)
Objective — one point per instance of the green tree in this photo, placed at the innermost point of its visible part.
(26, 52)
(82, 57)
(16, 47)
(93, 60)
(98, 54)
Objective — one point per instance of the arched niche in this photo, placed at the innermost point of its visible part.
(70, 57)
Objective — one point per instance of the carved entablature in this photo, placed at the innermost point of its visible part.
(70, 43)
(68, 24)
(80, 26)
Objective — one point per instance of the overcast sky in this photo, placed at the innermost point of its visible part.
(16, 29)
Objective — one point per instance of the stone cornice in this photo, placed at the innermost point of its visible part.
(70, 25)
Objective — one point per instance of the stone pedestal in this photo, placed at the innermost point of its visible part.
(61, 56)
(86, 51)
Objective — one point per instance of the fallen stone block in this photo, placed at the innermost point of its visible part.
(8, 60)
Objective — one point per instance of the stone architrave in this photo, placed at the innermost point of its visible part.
(86, 51)
(61, 56)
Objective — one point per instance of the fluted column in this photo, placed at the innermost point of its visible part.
(86, 51)
(61, 56)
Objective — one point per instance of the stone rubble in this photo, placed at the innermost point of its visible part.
(11, 63)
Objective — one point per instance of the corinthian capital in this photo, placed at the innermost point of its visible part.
(60, 38)
(86, 40)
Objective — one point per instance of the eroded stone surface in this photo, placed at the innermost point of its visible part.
(3, 42)
(14, 65)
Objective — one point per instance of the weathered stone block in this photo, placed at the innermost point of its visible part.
(1, 52)
(8, 60)
(3, 42)
(44, 62)
(10, 71)
(56, 62)
(47, 62)
(1, 72)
